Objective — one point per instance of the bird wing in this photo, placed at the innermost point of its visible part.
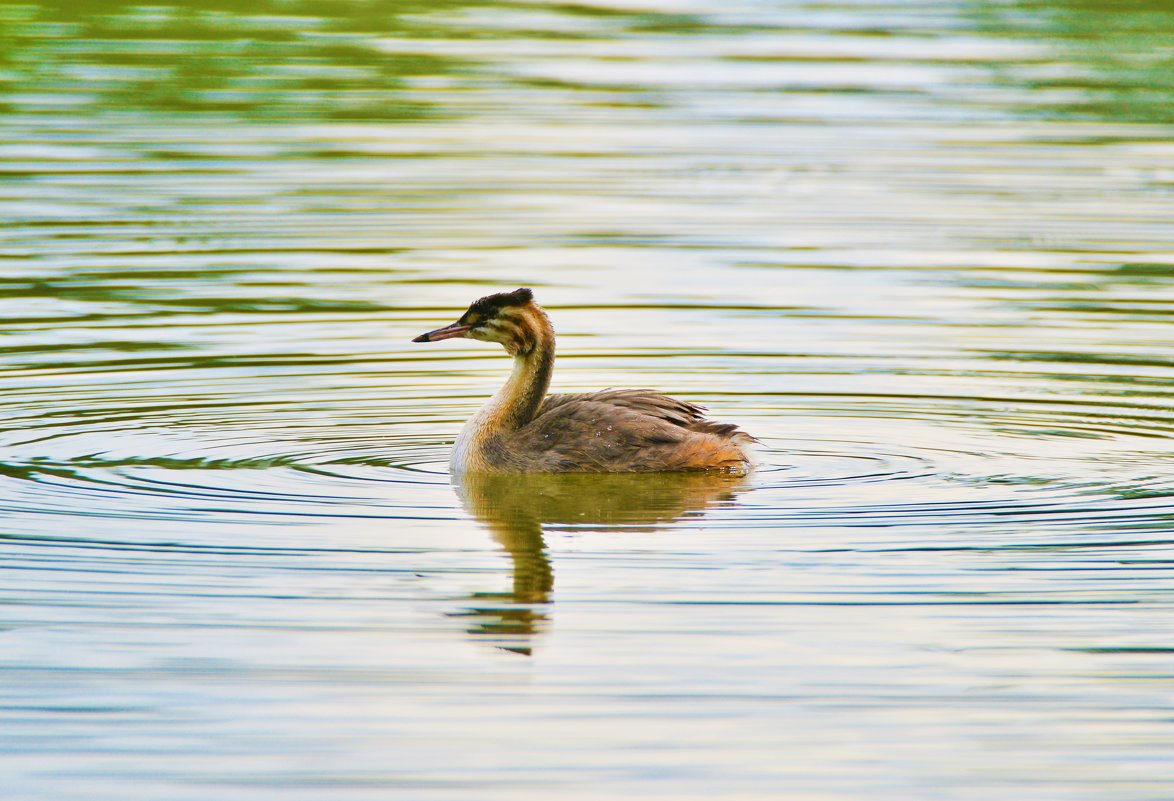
(646, 404)
(624, 403)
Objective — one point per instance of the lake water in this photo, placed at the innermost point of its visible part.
(924, 251)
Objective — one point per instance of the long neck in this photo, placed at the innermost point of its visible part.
(516, 403)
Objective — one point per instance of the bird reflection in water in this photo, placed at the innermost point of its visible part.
(515, 508)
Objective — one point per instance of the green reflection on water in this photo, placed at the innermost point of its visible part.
(1116, 57)
(311, 59)
(276, 60)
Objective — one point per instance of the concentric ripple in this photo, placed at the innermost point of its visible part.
(827, 460)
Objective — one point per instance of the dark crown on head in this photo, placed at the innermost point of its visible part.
(490, 305)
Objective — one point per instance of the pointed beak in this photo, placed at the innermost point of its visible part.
(448, 332)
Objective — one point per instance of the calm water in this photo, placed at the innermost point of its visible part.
(925, 251)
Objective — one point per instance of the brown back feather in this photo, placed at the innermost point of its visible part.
(621, 430)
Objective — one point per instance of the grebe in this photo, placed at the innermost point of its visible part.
(523, 430)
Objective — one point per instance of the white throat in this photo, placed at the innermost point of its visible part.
(465, 449)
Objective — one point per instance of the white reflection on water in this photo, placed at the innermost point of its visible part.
(926, 258)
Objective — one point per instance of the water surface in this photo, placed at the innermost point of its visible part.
(924, 251)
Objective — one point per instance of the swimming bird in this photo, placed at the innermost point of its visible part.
(523, 430)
